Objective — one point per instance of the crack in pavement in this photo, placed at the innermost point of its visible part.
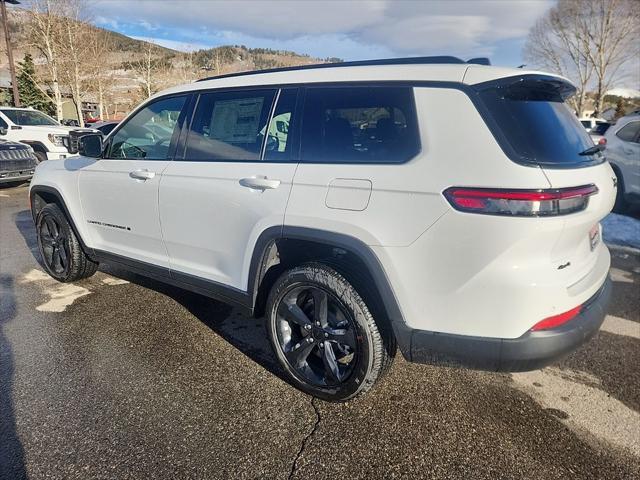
(294, 466)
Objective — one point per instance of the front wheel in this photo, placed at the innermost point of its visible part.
(323, 334)
(62, 255)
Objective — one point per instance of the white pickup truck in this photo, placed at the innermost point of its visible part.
(49, 139)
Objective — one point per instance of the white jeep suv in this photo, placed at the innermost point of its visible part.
(45, 135)
(448, 209)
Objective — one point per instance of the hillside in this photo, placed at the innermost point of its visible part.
(122, 65)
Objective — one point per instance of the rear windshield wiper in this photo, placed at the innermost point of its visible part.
(593, 150)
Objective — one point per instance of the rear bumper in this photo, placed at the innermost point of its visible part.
(531, 351)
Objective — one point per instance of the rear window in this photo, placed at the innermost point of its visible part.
(535, 121)
(359, 125)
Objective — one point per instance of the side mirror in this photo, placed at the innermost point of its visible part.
(90, 145)
(3, 131)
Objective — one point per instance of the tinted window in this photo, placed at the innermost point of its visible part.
(3, 124)
(106, 129)
(536, 122)
(600, 128)
(359, 125)
(629, 132)
(229, 125)
(148, 133)
(279, 145)
(586, 123)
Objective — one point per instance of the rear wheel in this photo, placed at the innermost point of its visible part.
(323, 334)
(62, 255)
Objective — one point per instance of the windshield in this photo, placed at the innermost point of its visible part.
(29, 117)
(536, 122)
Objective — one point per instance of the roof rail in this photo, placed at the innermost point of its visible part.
(358, 63)
(480, 61)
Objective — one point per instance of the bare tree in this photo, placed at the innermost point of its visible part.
(100, 45)
(587, 41)
(147, 69)
(73, 39)
(44, 34)
(614, 38)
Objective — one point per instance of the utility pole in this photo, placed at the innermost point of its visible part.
(12, 67)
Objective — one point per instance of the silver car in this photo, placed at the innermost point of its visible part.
(623, 153)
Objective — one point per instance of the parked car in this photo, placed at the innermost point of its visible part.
(105, 127)
(590, 123)
(623, 153)
(45, 135)
(597, 132)
(17, 162)
(369, 226)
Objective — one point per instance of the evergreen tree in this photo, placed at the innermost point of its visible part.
(30, 94)
(6, 98)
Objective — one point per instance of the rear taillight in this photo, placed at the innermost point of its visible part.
(520, 203)
(557, 320)
(602, 141)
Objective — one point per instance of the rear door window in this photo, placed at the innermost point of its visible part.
(537, 124)
(229, 126)
(359, 125)
(280, 141)
(629, 133)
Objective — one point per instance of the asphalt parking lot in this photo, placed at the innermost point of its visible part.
(122, 377)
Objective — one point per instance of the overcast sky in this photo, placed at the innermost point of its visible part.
(351, 30)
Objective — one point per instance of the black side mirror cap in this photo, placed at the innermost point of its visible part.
(90, 145)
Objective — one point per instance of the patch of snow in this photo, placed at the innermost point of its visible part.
(114, 281)
(621, 326)
(577, 394)
(624, 92)
(621, 230)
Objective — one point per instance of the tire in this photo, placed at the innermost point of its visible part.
(62, 255)
(331, 349)
(40, 156)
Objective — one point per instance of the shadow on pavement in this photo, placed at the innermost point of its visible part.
(246, 334)
(24, 224)
(11, 451)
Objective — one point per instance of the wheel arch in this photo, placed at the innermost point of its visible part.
(281, 248)
(618, 171)
(41, 195)
(37, 146)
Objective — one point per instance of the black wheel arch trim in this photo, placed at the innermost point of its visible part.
(36, 189)
(337, 240)
(35, 145)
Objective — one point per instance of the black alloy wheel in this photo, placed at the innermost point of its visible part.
(324, 334)
(316, 335)
(62, 255)
(55, 246)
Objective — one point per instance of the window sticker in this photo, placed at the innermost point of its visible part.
(236, 121)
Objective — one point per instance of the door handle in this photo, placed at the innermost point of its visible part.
(259, 182)
(143, 174)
